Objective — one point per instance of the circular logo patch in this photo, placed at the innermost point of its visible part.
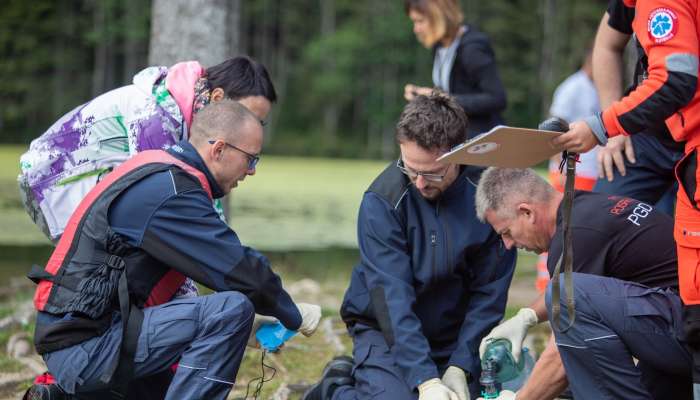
(662, 24)
(482, 148)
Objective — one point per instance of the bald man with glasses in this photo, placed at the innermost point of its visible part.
(432, 279)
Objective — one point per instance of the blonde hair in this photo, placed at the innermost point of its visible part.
(445, 18)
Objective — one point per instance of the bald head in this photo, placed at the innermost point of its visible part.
(225, 119)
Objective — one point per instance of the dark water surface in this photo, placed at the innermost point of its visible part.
(321, 265)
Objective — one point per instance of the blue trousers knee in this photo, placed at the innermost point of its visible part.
(651, 178)
(615, 322)
(375, 372)
(206, 334)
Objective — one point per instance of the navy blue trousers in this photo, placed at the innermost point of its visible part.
(376, 374)
(651, 178)
(615, 322)
(207, 334)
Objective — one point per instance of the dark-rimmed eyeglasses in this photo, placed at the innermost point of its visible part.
(253, 159)
(415, 174)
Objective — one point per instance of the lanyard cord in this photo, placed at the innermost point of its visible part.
(261, 379)
(567, 256)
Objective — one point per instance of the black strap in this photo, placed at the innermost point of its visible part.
(38, 273)
(121, 372)
(567, 255)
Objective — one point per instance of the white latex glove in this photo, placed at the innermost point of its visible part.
(310, 317)
(455, 379)
(504, 395)
(514, 330)
(611, 156)
(259, 321)
(434, 389)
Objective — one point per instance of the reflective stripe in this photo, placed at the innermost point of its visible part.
(188, 366)
(219, 380)
(571, 345)
(683, 63)
(600, 337)
(595, 122)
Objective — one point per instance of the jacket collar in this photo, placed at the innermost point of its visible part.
(186, 152)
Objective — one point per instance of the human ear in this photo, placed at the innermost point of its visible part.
(526, 210)
(217, 94)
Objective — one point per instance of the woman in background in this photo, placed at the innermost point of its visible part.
(463, 64)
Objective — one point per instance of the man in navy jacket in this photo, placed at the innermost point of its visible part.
(162, 222)
(432, 279)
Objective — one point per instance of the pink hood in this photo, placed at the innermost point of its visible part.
(180, 83)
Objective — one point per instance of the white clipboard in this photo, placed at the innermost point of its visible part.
(504, 146)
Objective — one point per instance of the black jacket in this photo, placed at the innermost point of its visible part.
(475, 82)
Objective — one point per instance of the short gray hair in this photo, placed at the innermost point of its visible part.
(500, 189)
(220, 119)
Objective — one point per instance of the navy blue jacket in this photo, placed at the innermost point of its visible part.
(185, 225)
(432, 278)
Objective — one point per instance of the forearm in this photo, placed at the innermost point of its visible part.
(540, 308)
(608, 54)
(548, 378)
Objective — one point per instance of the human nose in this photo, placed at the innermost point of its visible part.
(421, 182)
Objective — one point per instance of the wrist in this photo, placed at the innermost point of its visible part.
(529, 316)
(428, 384)
(595, 123)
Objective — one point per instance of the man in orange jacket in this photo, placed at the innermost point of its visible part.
(669, 33)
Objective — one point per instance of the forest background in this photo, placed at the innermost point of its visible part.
(339, 66)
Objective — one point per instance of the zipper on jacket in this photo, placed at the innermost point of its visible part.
(433, 245)
(680, 114)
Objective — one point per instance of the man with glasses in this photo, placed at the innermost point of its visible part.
(161, 228)
(432, 279)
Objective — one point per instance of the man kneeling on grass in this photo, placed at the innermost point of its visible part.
(625, 290)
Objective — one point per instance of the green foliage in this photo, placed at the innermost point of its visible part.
(48, 56)
(340, 76)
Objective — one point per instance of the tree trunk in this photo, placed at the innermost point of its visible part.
(234, 28)
(548, 50)
(201, 30)
(102, 49)
(183, 30)
(134, 51)
(60, 78)
(330, 111)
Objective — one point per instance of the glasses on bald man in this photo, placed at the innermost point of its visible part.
(253, 159)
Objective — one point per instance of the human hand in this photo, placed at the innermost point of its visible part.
(435, 389)
(259, 321)
(455, 379)
(514, 330)
(504, 395)
(310, 317)
(611, 155)
(578, 139)
(409, 91)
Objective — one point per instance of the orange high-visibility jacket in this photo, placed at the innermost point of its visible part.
(669, 33)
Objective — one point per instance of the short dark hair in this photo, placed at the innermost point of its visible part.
(241, 77)
(434, 122)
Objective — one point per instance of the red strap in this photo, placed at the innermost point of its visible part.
(44, 379)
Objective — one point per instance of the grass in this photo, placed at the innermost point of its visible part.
(290, 203)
